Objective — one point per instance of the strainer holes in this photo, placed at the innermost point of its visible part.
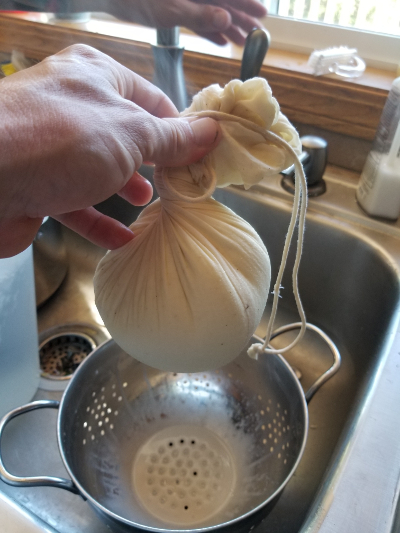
(195, 473)
(186, 507)
(192, 442)
(170, 444)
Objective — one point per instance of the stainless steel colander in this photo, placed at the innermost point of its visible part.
(164, 451)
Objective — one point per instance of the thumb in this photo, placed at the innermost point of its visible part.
(178, 141)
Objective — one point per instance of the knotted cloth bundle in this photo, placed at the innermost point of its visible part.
(187, 293)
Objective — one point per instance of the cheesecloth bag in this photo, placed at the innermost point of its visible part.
(187, 293)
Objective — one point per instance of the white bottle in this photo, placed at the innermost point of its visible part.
(19, 357)
(378, 191)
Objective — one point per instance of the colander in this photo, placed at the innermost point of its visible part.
(168, 452)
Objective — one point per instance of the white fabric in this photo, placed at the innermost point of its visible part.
(188, 292)
(243, 157)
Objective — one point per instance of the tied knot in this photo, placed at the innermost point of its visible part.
(255, 350)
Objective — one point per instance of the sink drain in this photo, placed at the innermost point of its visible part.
(184, 475)
(61, 354)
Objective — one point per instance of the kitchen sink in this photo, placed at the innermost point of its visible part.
(349, 283)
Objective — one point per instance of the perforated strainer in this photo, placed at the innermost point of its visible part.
(172, 452)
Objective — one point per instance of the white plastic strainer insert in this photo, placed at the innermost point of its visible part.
(184, 474)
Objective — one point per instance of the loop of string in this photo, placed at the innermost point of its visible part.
(298, 214)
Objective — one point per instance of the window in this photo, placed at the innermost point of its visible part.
(371, 26)
(381, 16)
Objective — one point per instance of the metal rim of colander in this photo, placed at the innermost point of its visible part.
(120, 519)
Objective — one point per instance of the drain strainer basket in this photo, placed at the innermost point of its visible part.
(62, 349)
(61, 354)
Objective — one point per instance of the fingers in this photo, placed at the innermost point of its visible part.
(100, 229)
(254, 8)
(204, 17)
(137, 191)
(230, 18)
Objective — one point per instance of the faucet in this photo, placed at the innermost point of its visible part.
(168, 66)
(313, 159)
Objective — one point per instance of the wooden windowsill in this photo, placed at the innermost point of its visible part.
(346, 110)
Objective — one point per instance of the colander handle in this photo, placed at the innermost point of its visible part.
(332, 346)
(37, 481)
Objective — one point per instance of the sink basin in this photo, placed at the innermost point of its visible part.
(350, 287)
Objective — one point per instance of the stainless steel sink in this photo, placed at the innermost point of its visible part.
(350, 287)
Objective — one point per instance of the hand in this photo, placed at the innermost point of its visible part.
(217, 20)
(74, 129)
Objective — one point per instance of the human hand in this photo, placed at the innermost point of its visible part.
(74, 129)
(216, 20)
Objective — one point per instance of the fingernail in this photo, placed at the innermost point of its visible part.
(220, 20)
(205, 131)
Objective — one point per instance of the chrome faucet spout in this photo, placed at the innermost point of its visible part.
(168, 66)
